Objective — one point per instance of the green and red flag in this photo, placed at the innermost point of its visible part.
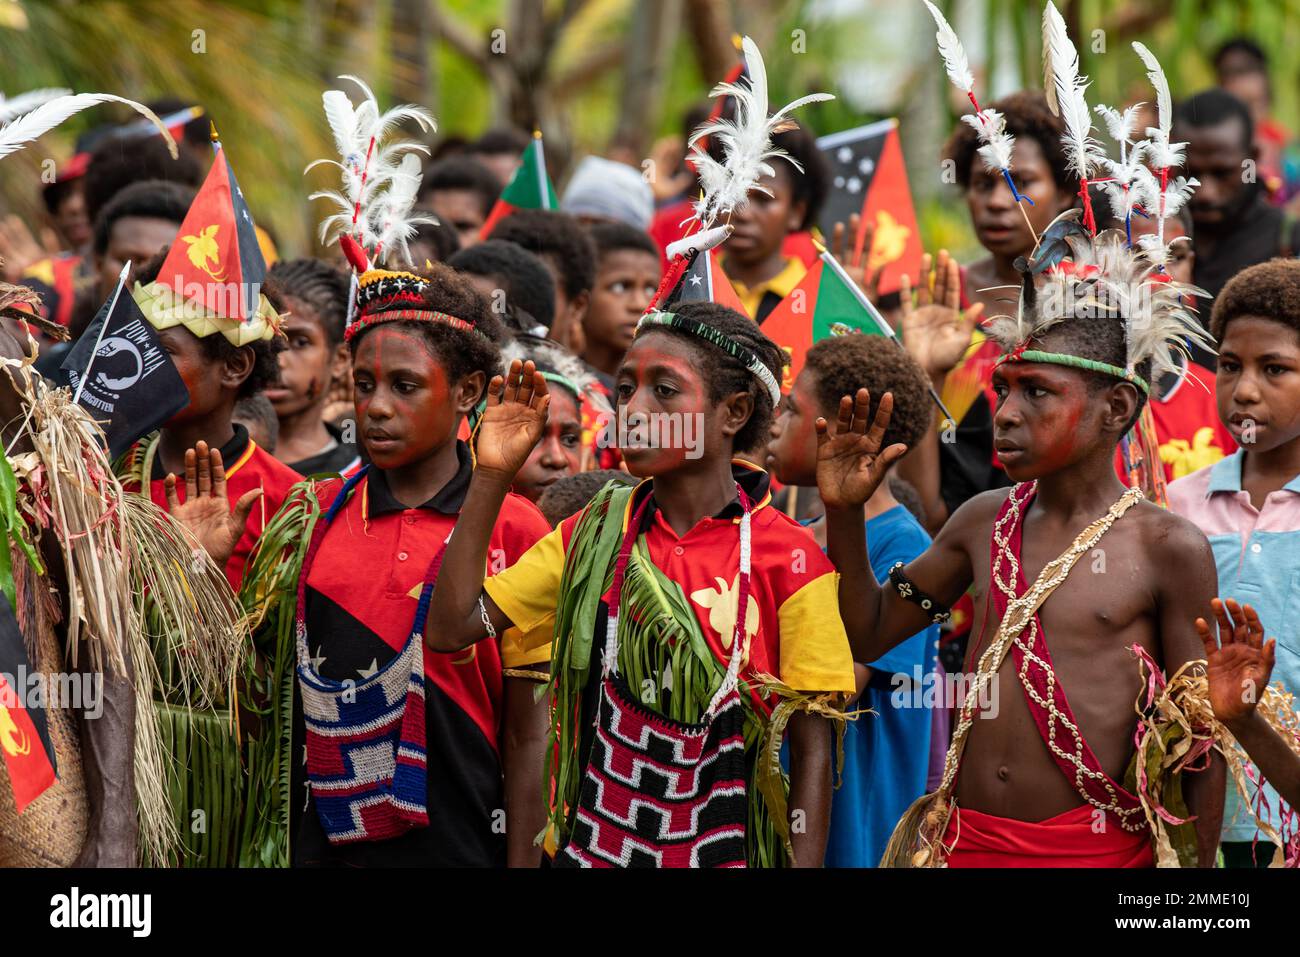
(216, 261)
(24, 732)
(825, 303)
(529, 188)
(869, 177)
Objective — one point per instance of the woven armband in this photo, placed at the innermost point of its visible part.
(909, 592)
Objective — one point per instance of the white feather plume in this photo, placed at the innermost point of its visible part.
(1082, 151)
(14, 136)
(1163, 154)
(746, 141)
(953, 53)
(12, 106)
(998, 143)
(379, 178)
(1119, 124)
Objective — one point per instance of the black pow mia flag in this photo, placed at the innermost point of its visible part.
(131, 386)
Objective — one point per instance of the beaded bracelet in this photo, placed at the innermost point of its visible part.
(909, 592)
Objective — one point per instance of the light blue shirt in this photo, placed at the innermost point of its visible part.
(1257, 553)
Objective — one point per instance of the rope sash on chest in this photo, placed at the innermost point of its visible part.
(657, 792)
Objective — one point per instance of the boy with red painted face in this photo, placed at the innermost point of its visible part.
(225, 473)
(886, 754)
(1043, 779)
(652, 661)
(315, 296)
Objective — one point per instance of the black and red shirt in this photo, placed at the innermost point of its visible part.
(361, 598)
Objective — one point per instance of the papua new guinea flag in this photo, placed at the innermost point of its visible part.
(825, 303)
(529, 188)
(216, 261)
(704, 281)
(24, 732)
(868, 177)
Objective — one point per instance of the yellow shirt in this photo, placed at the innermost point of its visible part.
(780, 285)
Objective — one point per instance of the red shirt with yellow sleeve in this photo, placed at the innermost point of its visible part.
(792, 621)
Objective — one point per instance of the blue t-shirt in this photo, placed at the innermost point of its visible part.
(886, 754)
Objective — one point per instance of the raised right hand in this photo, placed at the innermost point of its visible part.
(850, 463)
(1238, 669)
(936, 331)
(513, 422)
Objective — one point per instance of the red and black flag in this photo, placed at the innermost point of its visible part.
(702, 280)
(868, 177)
(24, 731)
(216, 261)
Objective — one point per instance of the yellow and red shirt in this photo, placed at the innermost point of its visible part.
(792, 621)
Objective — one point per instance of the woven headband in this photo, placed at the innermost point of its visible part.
(379, 290)
(731, 347)
(1076, 362)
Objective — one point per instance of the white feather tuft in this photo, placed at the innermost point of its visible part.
(746, 141)
(380, 179)
(1082, 151)
(998, 143)
(14, 106)
(51, 113)
(953, 53)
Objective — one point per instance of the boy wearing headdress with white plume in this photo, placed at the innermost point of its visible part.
(1052, 777)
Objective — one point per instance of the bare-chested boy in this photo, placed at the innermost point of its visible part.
(1040, 779)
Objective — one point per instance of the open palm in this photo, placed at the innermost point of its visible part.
(936, 331)
(513, 422)
(207, 511)
(850, 462)
(1239, 668)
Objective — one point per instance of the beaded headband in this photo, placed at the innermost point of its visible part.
(731, 347)
(1076, 362)
(378, 290)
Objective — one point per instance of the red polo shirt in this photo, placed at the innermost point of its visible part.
(248, 466)
(361, 597)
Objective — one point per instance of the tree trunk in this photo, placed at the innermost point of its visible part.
(711, 28)
(410, 38)
(651, 37)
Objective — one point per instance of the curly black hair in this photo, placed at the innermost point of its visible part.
(1267, 290)
(724, 374)
(461, 173)
(317, 284)
(441, 239)
(1213, 107)
(149, 199)
(524, 278)
(217, 348)
(461, 353)
(570, 495)
(844, 364)
(613, 236)
(555, 236)
(1027, 115)
(118, 161)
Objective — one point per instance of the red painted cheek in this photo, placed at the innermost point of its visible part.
(1060, 437)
